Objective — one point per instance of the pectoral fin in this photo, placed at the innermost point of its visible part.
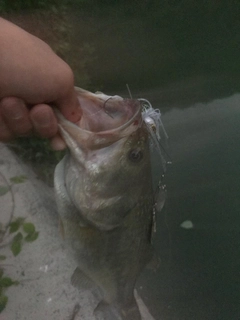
(81, 281)
(106, 311)
(117, 312)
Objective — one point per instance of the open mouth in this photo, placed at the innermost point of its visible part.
(106, 113)
(105, 119)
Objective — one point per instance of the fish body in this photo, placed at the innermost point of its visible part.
(105, 200)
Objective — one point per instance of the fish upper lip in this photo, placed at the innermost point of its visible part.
(96, 129)
(130, 104)
(62, 120)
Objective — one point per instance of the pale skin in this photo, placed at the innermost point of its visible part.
(33, 79)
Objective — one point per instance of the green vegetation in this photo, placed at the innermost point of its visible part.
(14, 235)
(3, 190)
(18, 179)
(38, 154)
(28, 234)
(3, 302)
(17, 233)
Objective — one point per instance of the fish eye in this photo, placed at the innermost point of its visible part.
(135, 155)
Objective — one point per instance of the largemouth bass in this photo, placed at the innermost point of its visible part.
(105, 199)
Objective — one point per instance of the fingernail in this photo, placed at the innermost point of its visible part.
(58, 144)
(13, 112)
(74, 112)
(42, 119)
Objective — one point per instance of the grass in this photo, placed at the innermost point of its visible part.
(38, 154)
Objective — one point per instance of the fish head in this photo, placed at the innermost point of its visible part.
(109, 163)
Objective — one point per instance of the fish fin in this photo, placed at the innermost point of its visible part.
(106, 311)
(81, 281)
(131, 312)
(101, 307)
(145, 313)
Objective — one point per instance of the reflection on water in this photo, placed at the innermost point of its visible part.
(199, 275)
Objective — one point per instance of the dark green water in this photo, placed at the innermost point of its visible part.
(199, 277)
(182, 50)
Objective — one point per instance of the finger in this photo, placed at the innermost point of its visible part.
(44, 120)
(5, 133)
(57, 143)
(16, 115)
(70, 106)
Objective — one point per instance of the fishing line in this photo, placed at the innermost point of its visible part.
(129, 92)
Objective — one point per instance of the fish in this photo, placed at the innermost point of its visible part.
(105, 199)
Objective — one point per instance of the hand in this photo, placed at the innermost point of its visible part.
(33, 78)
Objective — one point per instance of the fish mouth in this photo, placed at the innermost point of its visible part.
(105, 119)
(101, 112)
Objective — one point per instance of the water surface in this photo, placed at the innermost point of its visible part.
(199, 277)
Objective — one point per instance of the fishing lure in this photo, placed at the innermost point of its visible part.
(152, 119)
